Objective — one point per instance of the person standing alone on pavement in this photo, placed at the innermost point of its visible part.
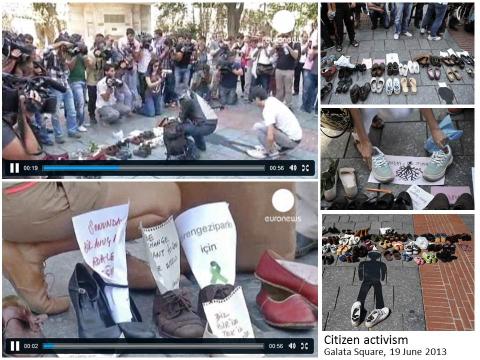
(342, 13)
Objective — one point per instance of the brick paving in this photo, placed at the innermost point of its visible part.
(448, 288)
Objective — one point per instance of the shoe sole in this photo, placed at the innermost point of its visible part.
(286, 289)
(383, 179)
(432, 179)
(295, 326)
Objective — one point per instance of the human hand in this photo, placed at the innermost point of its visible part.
(365, 149)
(439, 137)
(16, 53)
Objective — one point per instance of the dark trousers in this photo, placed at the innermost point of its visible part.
(296, 77)
(418, 14)
(344, 15)
(92, 99)
(198, 132)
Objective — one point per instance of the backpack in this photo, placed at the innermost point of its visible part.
(176, 142)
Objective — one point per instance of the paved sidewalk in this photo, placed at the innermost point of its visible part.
(65, 325)
(448, 288)
(376, 43)
(235, 124)
(403, 137)
(404, 290)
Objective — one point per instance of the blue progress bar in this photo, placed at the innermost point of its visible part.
(47, 346)
(81, 167)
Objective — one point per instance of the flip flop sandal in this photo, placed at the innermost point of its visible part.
(381, 82)
(396, 255)
(373, 84)
(431, 73)
(419, 261)
(354, 93)
(457, 74)
(450, 76)
(470, 72)
(437, 73)
(389, 87)
(404, 83)
(406, 257)
(326, 90)
(396, 86)
(364, 91)
(388, 255)
(413, 85)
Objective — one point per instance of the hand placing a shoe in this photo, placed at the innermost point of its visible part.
(365, 149)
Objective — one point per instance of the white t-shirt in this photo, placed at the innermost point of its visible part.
(144, 61)
(277, 113)
(102, 89)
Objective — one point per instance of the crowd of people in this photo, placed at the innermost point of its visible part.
(139, 73)
(431, 22)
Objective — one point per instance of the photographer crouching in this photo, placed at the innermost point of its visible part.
(108, 109)
(230, 70)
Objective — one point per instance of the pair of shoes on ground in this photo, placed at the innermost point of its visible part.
(435, 170)
(288, 297)
(375, 317)
(440, 202)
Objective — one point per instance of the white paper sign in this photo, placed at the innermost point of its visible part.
(101, 238)
(420, 198)
(229, 318)
(209, 239)
(408, 170)
(163, 252)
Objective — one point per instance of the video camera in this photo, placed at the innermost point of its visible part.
(146, 40)
(114, 82)
(12, 41)
(103, 53)
(36, 90)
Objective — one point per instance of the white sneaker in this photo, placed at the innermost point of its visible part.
(258, 153)
(376, 316)
(422, 31)
(407, 34)
(434, 38)
(355, 313)
(82, 128)
(396, 36)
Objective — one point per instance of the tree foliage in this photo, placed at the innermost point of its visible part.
(47, 22)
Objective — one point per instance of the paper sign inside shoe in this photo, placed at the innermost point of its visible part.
(163, 253)
(309, 273)
(420, 198)
(229, 317)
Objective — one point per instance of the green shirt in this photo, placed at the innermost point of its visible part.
(78, 71)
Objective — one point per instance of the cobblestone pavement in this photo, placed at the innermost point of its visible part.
(376, 43)
(403, 137)
(403, 289)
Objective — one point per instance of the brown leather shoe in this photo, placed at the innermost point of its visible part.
(212, 292)
(23, 266)
(174, 317)
(139, 274)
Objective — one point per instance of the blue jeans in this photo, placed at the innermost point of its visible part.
(263, 81)
(182, 78)
(70, 113)
(169, 90)
(78, 90)
(402, 14)
(41, 129)
(153, 104)
(124, 95)
(311, 91)
(434, 17)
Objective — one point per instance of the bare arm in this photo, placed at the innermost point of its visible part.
(437, 133)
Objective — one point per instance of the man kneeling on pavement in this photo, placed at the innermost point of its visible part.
(109, 109)
(280, 130)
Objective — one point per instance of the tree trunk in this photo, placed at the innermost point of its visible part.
(234, 14)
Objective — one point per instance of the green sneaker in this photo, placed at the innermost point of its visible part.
(380, 168)
(439, 161)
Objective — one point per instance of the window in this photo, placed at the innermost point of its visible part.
(113, 18)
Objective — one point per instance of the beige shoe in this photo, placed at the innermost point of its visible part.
(349, 182)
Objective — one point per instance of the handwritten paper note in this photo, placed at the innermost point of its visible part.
(420, 198)
(408, 170)
(101, 238)
(209, 239)
(229, 318)
(163, 252)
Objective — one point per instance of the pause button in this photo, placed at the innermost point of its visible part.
(14, 346)
(14, 168)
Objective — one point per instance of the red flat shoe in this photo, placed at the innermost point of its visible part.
(281, 309)
(290, 276)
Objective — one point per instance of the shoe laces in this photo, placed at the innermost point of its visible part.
(438, 157)
(379, 161)
(176, 303)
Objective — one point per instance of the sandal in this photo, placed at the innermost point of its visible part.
(431, 73)
(450, 75)
(404, 83)
(457, 74)
(437, 73)
(413, 85)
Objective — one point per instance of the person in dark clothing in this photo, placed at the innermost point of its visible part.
(377, 13)
(198, 118)
(342, 14)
